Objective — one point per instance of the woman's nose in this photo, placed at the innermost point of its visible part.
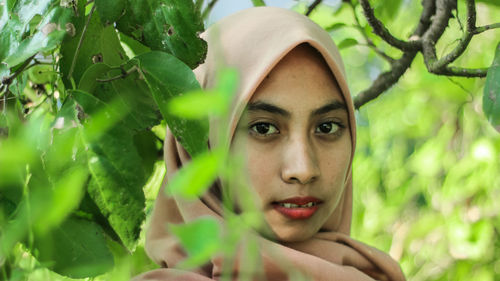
(300, 164)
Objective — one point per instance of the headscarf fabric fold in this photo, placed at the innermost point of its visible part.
(254, 41)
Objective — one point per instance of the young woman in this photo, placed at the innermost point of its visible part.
(293, 119)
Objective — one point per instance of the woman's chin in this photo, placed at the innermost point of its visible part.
(297, 232)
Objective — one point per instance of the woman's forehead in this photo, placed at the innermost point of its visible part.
(303, 78)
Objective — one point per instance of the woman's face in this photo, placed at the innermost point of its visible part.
(297, 144)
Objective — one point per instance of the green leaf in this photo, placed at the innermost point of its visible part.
(77, 248)
(100, 44)
(197, 176)
(110, 10)
(257, 3)
(336, 26)
(200, 238)
(52, 31)
(346, 43)
(201, 104)
(42, 74)
(117, 176)
(166, 25)
(168, 77)
(197, 104)
(131, 92)
(491, 96)
(135, 46)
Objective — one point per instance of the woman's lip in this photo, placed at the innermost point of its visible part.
(297, 213)
(300, 200)
(295, 207)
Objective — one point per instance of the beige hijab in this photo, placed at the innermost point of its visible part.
(253, 41)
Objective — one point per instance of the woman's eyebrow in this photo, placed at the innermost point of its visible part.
(334, 105)
(263, 106)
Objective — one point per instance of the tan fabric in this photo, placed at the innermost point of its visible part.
(253, 41)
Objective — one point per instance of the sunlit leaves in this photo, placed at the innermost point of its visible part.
(77, 248)
(114, 162)
(491, 97)
(195, 178)
(51, 32)
(201, 104)
(100, 44)
(168, 77)
(110, 10)
(200, 238)
(171, 26)
(349, 42)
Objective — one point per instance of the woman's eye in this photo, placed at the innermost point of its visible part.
(264, 129)
(327, 128)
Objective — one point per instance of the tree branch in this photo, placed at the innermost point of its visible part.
(382, 32)
(486, 27)
(124, 74)
(369, 41)
(464, 41)
(312, 7)
(7, 80)
(385, 80)
(436, 30)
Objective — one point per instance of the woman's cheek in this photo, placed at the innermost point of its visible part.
(262, 165)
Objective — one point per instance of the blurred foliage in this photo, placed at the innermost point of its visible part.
(88, 88)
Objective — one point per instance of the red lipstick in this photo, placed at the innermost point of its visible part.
(297, 207)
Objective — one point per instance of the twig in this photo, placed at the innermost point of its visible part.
(486, 27)
(462, 72)
(431, 36)
(439, 24)
(464, 42)
(382, 32)
(312, 7)
(6, 81)
(208, 9)
(385, 80)
(122, 75)
(369, 42)
(72, 68)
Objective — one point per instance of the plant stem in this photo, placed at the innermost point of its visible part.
(72, 68)
(312, 7)
(123, 75)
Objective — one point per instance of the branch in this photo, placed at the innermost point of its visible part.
(486, 27)
(122, 75)
(312, 7)
(72, 68)
(429, 8)
(369, 41)
(439, 24)
(7, 80)
(464, 42)
(382, 32)
(385, 80)
(462, 72)
(435, 31)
